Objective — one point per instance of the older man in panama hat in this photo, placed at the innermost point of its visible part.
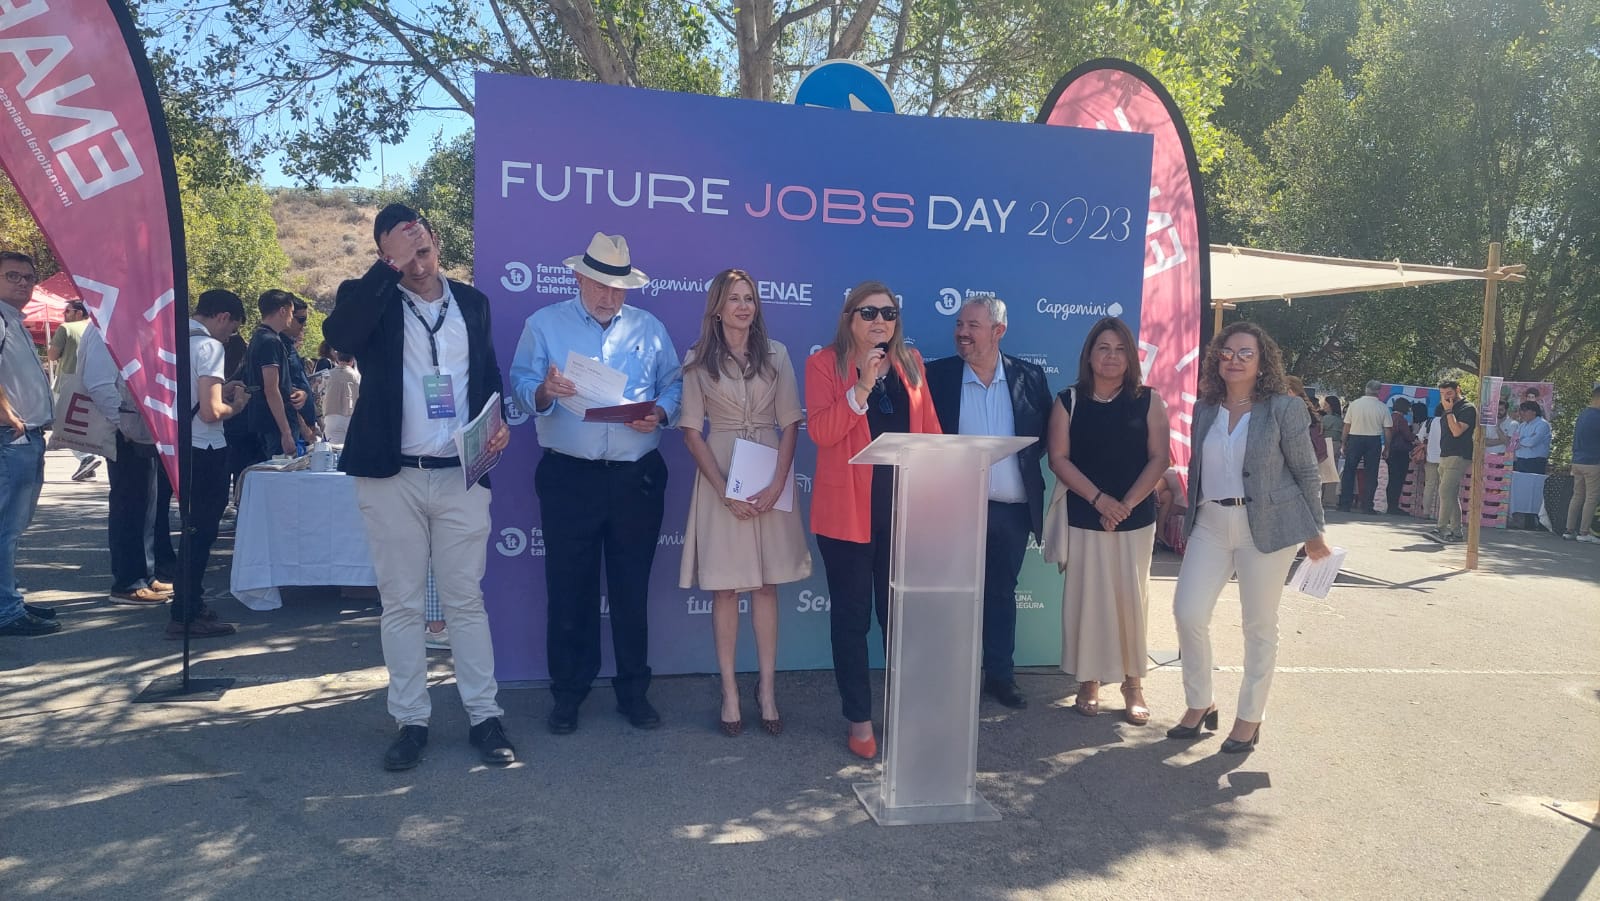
(601, 485)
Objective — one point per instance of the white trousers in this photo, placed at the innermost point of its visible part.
(413, 519)
(1219, 547)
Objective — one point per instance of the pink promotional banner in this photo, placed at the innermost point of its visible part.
(1119, 96)
(87, 156)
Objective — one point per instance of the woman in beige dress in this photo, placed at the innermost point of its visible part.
(741, 384)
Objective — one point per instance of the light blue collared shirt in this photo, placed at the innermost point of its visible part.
(1533, 439)
(987, 411)
(636, 344)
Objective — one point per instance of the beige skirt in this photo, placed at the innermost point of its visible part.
(1105, 604)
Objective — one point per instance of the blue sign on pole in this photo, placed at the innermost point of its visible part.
(844, 84)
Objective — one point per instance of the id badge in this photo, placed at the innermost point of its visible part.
(441, 396)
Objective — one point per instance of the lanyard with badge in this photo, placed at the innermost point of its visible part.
(437, 388)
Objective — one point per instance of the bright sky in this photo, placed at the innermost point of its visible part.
(398, 160)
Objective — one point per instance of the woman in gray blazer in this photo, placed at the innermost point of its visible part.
(1254, 497)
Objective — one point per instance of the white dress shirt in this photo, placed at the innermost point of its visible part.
(419, 435)
(1222, 470)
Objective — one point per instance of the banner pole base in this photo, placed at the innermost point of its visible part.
(173, 688)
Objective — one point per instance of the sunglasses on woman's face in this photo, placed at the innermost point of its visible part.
(1228, 353)
(889, 314)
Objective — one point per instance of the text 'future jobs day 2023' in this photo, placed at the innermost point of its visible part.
(1060, 221)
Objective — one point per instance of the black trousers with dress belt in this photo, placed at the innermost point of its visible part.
(594, 513)
(1003, 552)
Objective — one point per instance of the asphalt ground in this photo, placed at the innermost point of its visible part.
(1422, 719)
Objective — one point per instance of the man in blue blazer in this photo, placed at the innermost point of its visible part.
(985, 392)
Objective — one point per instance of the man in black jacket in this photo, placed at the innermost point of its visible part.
(428, 367)
(985, 392)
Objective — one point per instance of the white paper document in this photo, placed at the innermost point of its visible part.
(598, 384)
(750, 470)
(1314, 578)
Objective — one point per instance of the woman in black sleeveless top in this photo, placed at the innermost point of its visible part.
(1108, 444)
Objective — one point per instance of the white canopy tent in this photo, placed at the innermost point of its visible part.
(1243, 274)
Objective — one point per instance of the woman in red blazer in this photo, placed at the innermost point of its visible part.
(867, 383)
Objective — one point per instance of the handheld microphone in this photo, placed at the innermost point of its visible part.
(883, 346)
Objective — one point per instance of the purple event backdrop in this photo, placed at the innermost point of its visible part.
(1051, 219)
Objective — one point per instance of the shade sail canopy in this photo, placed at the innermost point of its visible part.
(1240, 274)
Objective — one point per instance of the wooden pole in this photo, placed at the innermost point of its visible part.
(1491, 287)
(1216, 314)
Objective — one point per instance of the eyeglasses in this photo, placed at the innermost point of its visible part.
(885, 404)
(889, 314)
(18, 278)
(302, 319)
(1228, 353)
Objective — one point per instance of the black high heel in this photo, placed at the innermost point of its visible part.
(1209, 720)
(1229, 746)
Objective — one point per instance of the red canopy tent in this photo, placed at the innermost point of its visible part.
(48, 308)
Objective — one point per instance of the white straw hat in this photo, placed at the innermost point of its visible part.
(606, 261)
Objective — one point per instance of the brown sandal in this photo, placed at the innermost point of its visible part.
(1136, 714)
(1088, 702)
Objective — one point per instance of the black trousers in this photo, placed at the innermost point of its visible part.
(1399, 465)
(858, 585)
(1535, 465)
(164, 558)
(208, 497)
(130, 512)
(596, 512)
(1363, 450)
(1003, 552)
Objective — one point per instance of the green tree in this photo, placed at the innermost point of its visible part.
(1460, 124)
(230, 235)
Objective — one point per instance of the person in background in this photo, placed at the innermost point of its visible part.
(742, 383)
(1333, 430)
(983, 391)
(64, 353)
(1366, 429)
(1326, 470)
(1457, 423)
(426, 346)
(1532, 457)
(25, 412)
(271, 410)
(1254, 495)
(1399, 440)
(217, 316)
(301, 397)
(1170, 498)
(601, 486)
(1108, 444)
(1585, 472)
(867, 382)
(339, 402)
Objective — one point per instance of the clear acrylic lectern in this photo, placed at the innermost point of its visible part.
(930, 750)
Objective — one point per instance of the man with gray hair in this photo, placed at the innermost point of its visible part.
(1366, 432)
(985, 392)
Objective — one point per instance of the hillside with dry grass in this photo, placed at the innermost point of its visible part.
(328, 238)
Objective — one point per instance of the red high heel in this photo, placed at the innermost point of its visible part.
(866, 748)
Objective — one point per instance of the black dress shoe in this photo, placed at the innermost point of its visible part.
(640, 714)
(489, 737)
(1006, 693)
(28, 624)
(41, 612)
(1233, 746)
(563, 719)
(406, 752)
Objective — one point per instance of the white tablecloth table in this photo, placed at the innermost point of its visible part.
(297, 528)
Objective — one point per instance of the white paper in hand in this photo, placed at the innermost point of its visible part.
(598, 384)
(750, 470)
(1314, 578)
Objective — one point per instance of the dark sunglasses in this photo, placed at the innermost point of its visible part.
(889, 314)
(302, 319)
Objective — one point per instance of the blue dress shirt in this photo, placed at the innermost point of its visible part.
(1533, 439)
(635, 343)
(987, 411)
